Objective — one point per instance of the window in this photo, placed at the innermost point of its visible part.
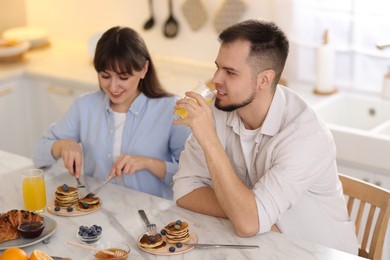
(354, 26)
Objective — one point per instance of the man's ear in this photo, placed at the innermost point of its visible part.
(265, 78)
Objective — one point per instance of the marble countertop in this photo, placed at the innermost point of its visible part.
(120, 222)
(11, 162)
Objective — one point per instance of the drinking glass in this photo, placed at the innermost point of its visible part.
(207, 94)
(34, 190)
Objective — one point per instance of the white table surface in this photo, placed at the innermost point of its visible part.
(120, 222)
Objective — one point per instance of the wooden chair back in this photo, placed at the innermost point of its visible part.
(362, 195)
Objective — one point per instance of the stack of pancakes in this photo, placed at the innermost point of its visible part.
(152, 242)
(65, 199)
(177, 232)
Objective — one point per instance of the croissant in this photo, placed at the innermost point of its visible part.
(10, 221)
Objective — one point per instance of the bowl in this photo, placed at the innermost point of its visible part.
(12, 49)
(89, 239)
(113, 246)
(36, 36)
(31, 229)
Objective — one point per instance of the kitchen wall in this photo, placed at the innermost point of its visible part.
(75, 20)
(12, 14)
(359, 66)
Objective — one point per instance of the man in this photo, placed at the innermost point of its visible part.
(261, 157)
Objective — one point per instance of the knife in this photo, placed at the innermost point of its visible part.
(222, 245)
(96, 190)
(60, 258)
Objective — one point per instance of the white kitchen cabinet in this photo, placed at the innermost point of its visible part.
(28, 106)
(13, 117)
(51, 100)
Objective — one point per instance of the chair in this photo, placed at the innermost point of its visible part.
(378, 201)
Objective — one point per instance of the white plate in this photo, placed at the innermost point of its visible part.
(14, 50)
(36, 36)
(50, 228)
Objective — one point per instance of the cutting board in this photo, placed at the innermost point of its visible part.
(228, 14)
(195, 13)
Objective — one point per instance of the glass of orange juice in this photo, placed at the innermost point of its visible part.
(207, 94)
(34, 190)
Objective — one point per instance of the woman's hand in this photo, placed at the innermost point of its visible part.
(71, 153)
(130, 164)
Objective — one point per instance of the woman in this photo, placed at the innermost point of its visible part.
(125, 128)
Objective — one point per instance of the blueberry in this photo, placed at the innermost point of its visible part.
(163, 232)
(145, 235)
(57, 208)
(178, 222)
(172, 249)
(83, 228)
(69, 209)
(65, 188)
(179, 244)
(80, 233)
(84, 205)
(152, 239)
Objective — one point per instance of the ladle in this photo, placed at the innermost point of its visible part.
(171, 25)
(150, 23)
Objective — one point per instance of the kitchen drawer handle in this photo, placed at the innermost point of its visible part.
(60, 91)
(5, 91)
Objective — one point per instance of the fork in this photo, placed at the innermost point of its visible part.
(152, 228)
(81, 189)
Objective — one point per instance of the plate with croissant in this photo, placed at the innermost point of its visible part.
(9, 234)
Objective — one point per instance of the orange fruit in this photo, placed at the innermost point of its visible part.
(14, 253)
(39, 255)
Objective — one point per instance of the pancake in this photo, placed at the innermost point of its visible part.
(88, 204)
(151, 242)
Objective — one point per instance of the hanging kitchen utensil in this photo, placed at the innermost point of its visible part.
(150, 23)
(171, 26)
(228, 14)
(195, 14)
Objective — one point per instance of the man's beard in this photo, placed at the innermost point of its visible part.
(232, 107)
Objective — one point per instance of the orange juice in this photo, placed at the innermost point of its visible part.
(183, 113)
(201, 89)
(34, 191)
